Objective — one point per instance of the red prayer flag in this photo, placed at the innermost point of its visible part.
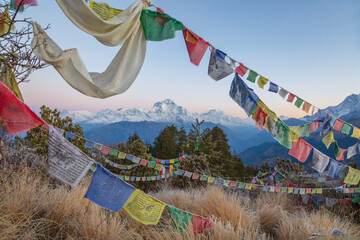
(201, 224)
(158, 160)
(195, 45)
(291, 98)
(260, 118)
(160, 10)
(345, 201)
(338, 124)
(341, 156)
(195, 176)
(17, 116)
(22, 3)
(314, 125)
(144, 162)
(105, 150)
(300, 150)
(241, 69)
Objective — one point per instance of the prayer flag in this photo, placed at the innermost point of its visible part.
(306, 107)
(341, 155)
(353, 150)
(105, 150)
(5, 22)
(108, 191)
(179, 172)
(243, 95)
(304, 130)
(151, 164)
(218, 67)
(241, 69)
(65, 161)
(326, 128)
(122, 155)
(195, 45)
(346, 128)
(314, 125)
(283, 93)
(294, 133)
(328, 139)
(330, 202)
(159, 26)
(273, 87)
(188, 174)
(270, 125)
(284, 189)
(179, 218)
(144, 162)
(218, 181)
(282, 134)
(353, 176)
(104, 11)
(290, 98)
(113, 152)
(335, 168)
(211, 179)
(298, 102)
(265, 188)
(262, 81)
(272, 189)
(252, 76)
(144, 208)
(356, 133)
(260, 118)
(320, 161)
(195, 176)
(201, 224)
(300, 150)
(203, 178)
(338, 125)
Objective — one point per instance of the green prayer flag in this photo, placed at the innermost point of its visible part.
(336, 149)
(284, 189)
(313, 191)
(93, 168)
(357, 190)
(151, 164)
(159, 26)
(172, 174)
(156, 172)
(179, 219)
(121, 177)
(176, 160)
(113, 152)
(252, 76)
(203, 178)
(148, 178)
(241, 185)
(176, 165)
(304, 130)
(153, 178)
(282, 134)
(346, 128)
(298, 102)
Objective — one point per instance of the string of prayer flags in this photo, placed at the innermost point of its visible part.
(335, 168)
(353, 150)
(241, 69)
(195, 45)
(320, 161)
(159, 26)
(201, 224)
(356, 133)
(243, 95)
(252, 76)
(353, 176)
(144, 208)
(218, 67)
(104, 11)
(328, 139)
(108, 191)
(273, 88)
(262, 81)
(300, 150)
(179, 218)
(65, 161)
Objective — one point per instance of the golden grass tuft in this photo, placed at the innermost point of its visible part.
(32, 207)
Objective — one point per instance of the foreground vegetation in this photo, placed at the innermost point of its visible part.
(32, 206)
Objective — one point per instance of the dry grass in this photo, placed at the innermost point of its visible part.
(32, 207)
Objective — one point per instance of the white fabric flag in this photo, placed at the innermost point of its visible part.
(188, 174)
(330, 202)
(272, 189)
(353, 150)
(124, 28)
(320, 161)
(302, 191)
(66, 162)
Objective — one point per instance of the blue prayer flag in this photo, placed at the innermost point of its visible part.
(326, 128)
(321, 116)
(218, 181)
(108, 191)
(335, 168)
(180, 172)
(296, 190)
(266, 188)
(220, 54)
(130, 157)
(273, 87)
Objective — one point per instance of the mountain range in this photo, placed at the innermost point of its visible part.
(112, 126)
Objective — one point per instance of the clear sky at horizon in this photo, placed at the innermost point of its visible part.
(311, 48)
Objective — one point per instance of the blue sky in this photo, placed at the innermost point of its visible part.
(311, 48)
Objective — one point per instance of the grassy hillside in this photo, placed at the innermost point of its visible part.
(32, 206)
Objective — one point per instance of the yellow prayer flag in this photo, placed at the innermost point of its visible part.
(172, 161)
(5, 22)
(353, 177)
(144, 208)
(107, 160)
(319, 191)
(8, 78)
(158, 167)
(127, 178)
(121, 155)
(211, 179)
(104, 11)
(356, 132)
(262, 81)
(248, 186)
(290, 190)
(328, 139)
(267, 110)
(294, 133)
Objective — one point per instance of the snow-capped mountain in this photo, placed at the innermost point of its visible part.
(347, 109)
(165, 112)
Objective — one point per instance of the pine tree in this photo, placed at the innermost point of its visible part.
(166, 143)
